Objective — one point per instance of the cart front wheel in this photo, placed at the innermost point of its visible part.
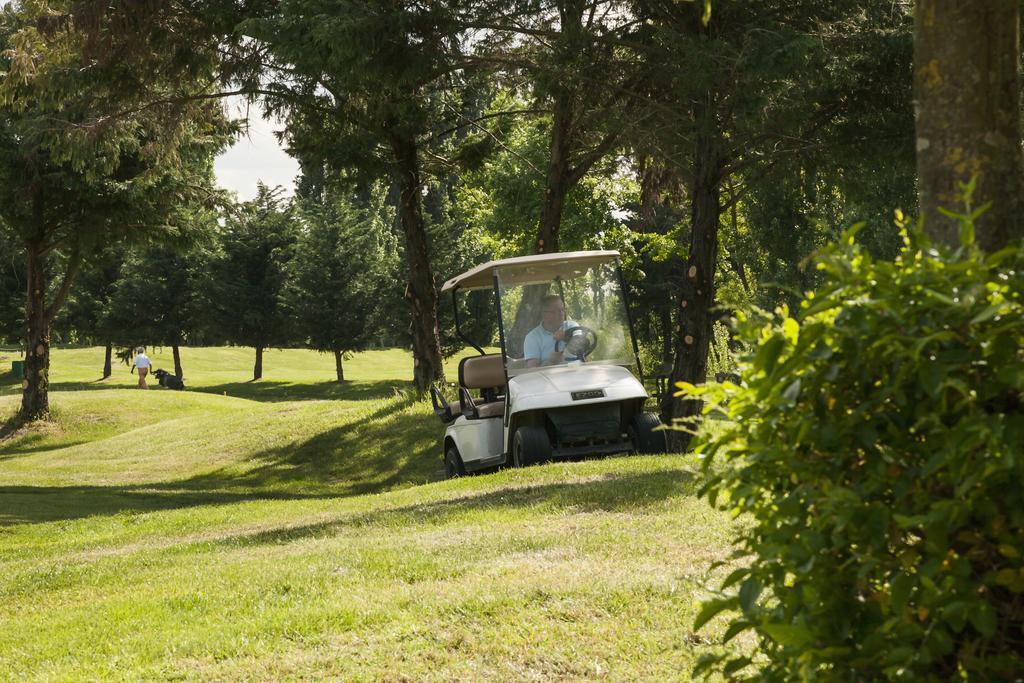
(530, 445)
(645, 432)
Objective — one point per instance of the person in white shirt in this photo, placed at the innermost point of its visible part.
(142, 363)
(540, 347)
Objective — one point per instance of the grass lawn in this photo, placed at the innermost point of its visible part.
(243, 531)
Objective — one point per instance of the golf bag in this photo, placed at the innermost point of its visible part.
(168, 380)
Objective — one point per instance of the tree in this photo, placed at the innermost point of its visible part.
(966, 75)
(12, 290)
(86, 154)
(579, 77)
(736, 96)
(360, 85)
(89, 312)
(247, 275)
(155, 299)
(344, 260)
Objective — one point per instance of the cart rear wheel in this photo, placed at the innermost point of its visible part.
(453, 466)
(646, 437)
(530, 445)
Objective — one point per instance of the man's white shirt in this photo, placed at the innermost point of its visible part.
(539, 344)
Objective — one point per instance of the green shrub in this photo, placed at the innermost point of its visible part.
(876, 449)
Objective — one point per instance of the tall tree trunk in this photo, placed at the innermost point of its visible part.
(257, 370)
(176, 353)
(108, 357)
(966, 62)
(35, 398)
(338, 367)
(557, 182)
(666, 332)
(697, 289)
(421, 291)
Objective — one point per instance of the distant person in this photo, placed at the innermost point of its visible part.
(540, 347)
(143, 364)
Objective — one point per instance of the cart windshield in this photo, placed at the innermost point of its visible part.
(563, 313)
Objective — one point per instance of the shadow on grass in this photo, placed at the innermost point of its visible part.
(275, 391)
(264, 390)
(34, 444)
(387, 449)
(37, 504)
(612, 494)
(10, 426)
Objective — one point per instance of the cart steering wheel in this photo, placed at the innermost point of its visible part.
(580, 341)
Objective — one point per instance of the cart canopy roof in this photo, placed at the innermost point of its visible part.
(526, 270)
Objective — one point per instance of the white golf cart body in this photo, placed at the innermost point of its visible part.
(581, 404)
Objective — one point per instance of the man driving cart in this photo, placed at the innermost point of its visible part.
(545, 344)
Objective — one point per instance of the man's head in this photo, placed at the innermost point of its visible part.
(552, 312)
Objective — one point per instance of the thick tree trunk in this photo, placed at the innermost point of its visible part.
(697, 289)
(176, 353)
(35, 398)
(666, 331)
(338, 367)
(108, 357)
(557, 183)
(257, 370)
(421, 291)
(966, 62)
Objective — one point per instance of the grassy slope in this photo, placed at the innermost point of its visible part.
(198, 535)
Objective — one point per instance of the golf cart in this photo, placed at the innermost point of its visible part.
(567, 381)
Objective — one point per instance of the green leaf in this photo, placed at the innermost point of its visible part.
(749, 592)
(768, 354)
(899, 589)
(788, 635)
(930, 375)
(1006, 577)
(987, 314)
(791, 330)
(792, 392)
(983, 618)
(1007, 550)
(967, 232)
(948, 300)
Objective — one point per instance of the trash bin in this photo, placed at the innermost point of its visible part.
(18, 368)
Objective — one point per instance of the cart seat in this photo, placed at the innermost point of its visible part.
(492, 409)
(485, 373)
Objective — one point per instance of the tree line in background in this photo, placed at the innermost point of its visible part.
(716, 151)
(715, 154)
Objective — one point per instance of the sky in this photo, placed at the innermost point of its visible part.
(255, 157)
